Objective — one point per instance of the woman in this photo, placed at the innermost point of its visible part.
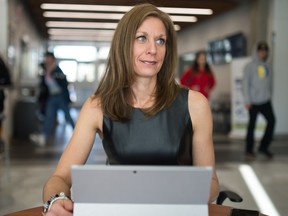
(138, 96)
(199, 76)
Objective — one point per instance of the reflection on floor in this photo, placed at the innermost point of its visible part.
(22, 178)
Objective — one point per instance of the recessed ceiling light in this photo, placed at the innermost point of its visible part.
(190, 11)
(115, 8)
(110, 16)
(87, 25)
(80, 38)
(94, 25)
(80, 15)
(183, 18)
(87, 32)
(85, 7)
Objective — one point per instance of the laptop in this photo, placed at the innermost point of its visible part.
(117, 190)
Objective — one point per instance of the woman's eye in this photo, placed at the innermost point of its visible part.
(141, 38)
(160, 41)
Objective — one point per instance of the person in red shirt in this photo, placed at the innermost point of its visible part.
(199, 76)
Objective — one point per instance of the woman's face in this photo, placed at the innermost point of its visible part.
(201, 59)
(149, 47)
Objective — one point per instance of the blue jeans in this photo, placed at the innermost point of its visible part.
(54, 103)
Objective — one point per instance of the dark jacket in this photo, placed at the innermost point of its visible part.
(61, 80)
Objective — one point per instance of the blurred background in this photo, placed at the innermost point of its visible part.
(80, 32)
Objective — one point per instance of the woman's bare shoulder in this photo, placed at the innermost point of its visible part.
(199, 110)
(197, 100)
(91, 112)
(199, 107)
(92, 103)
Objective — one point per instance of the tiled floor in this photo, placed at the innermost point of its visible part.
(22, 179)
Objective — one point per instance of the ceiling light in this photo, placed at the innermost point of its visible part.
(86, 32)
(100, 25)
(115, 8)
(85, 7)
(112, 16)
(78, 15)
(80, 38)
(87, 25)
(190, 11)
(184, 18)
(177, 27)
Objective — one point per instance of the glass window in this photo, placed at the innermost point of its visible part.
(103, 52)
(69, 68)
(100, 71)
(86, 72)
(79, 53)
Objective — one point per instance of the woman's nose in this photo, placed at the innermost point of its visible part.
(151, 47)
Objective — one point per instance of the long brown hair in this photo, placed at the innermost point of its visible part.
(114, 89)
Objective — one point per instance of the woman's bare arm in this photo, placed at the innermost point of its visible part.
(77, 151)
(202, 146)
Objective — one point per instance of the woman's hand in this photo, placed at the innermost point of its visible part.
(63, 207)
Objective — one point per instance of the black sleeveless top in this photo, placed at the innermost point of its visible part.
(163, 139)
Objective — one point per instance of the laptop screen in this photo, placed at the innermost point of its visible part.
(145, 186)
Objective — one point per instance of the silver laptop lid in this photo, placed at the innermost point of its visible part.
(117, 184)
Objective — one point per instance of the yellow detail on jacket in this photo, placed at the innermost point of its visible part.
(261, 72)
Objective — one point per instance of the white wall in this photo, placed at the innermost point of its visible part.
(20, 29)
(16, 27)
(4, 28)
(280, 64)
(231, 22)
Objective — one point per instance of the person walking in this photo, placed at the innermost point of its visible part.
(257, 92)
(55, 86)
